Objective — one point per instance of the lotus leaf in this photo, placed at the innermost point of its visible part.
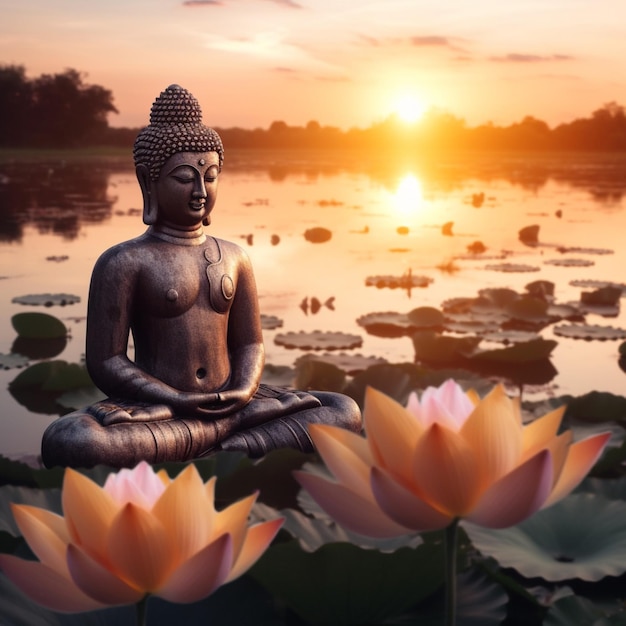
(349, 363)
(579, 611)
(38, 326)
(317, 234)
(597, 284)
(603, 296)
(431, 347)
(529, 234)
(426, 317)
(549, 546)
(270, 322)
(471, 324)
(405, 281)
(499, 296)
(589, 332)
(80, 397)
(348, 585)
(578, 250)
(511, 267)
(321, 375)
(540, 289)
(47, 299)
(570, 262)
(528, 308)
(9, 361)
(318, 340)
(511, 336)
(522, 352)
(386, 324)
(52, 376)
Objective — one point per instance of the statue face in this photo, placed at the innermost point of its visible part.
(187, 189)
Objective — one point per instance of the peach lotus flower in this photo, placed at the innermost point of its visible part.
(141, 534)
(451, 456)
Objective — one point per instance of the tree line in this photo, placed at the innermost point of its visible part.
(62, 111)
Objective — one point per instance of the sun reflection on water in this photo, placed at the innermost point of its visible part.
(408, 198)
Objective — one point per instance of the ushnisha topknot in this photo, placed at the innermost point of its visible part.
(175, 126)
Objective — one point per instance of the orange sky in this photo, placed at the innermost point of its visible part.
(343, 63)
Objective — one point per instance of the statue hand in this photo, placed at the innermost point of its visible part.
(211, 405)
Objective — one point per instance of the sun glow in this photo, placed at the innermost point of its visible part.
(408, 196)
(409, 108)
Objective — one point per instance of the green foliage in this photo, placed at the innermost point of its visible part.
(34, 325)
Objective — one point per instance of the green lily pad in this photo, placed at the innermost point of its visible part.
(81, 397)
(426, 317)
(406, 281)
(570, 262)
(320, 375)
(10, 361)
(589, 332)
(38, 326)
(318, 340)
(349, 363)
(597, 284)
(279, 375)
(511, 267)
(47, 299)
(270, 322)
(522, 352)
(579, 611)
(53, 376)
(348, 585)
(318, 234)
(386, 324)
(431, 347)
(549, 546)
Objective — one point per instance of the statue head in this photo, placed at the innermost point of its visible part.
(175, 126)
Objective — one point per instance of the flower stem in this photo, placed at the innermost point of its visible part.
(450, 544)
(141, 611)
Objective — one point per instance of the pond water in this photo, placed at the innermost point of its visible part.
(386, 218)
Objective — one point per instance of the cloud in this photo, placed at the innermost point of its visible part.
(202, 3)
(515, 57)
(431, 41)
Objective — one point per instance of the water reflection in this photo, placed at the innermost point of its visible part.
(54, 197)
(72, 211)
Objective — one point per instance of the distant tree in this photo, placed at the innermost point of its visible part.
(15, 104)
(54, 110)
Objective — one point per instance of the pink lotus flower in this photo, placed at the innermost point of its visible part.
(142, 533)
(451, 456)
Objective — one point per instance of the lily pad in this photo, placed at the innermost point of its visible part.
(47, 299)
(431, 347)
(511, 336)
(270, 322)
(597, 284)
(549, 546)
(279, 375)
(318, 340)
(578, 250)
(570, 262)
(426, 317)
(541, 289)
(589, 332)
(318, 234)
(603, 296)
(320, 375)
(349, 363)
(38, 326)
(522, 352)
(10, 361)
(405, 281)
(512, 267)
(386, 324)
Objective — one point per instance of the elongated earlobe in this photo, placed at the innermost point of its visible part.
(150, 201)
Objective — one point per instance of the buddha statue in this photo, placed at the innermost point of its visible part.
(190, 301)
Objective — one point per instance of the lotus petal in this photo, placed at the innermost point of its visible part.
(516, 496)
(98, 582)
(46, 586)
(140, 549)
(403, 506)
(356, 513)
(257, 540)
(201, 575)
(233, 520)
(580, 459)
(346, 454)
(89, 512)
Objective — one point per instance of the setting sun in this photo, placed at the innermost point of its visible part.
(408, 196)
(409, 108)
